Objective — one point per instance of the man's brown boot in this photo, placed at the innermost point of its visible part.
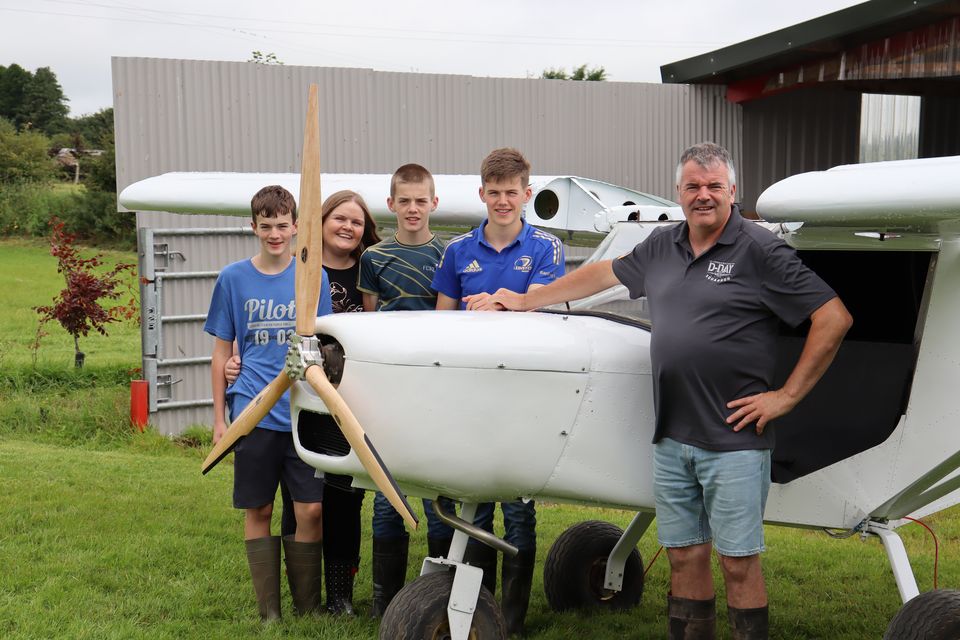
(692, 619)
(749, 624)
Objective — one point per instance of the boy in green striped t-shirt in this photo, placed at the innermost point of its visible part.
(395, 275)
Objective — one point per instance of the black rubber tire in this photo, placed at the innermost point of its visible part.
(419, 612)
(573, 574)
(934, 615)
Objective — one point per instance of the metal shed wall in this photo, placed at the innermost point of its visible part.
(790, 133)
(188, 115)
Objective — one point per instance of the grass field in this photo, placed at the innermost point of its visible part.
(111, 534)
(135, 543)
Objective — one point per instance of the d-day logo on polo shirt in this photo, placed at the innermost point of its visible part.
(719, 271)
(523, 264)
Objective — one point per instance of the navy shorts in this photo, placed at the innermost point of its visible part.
(264, 457)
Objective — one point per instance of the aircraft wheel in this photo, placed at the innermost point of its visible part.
(419, 610)
(933, 615)
(573, 574)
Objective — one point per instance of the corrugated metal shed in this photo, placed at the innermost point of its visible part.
(188, 115)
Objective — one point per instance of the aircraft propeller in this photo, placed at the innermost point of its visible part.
(304, 359)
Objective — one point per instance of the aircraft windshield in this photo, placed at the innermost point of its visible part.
(615, 302)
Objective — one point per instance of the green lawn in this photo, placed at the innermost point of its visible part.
(134, 543)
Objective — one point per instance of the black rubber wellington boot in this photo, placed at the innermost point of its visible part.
(304, 573)
(484, 557)
(263, 556)
(438, 547)
(389, 571)
(516, 578)
(749, 624)
(692, 619)
(339, 576)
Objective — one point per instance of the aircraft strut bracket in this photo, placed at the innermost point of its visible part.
(617, 560)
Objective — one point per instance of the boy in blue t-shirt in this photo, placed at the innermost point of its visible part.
(503, 252)
(395, 275)
(253, 304)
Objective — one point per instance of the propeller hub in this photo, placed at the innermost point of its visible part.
(303, 352)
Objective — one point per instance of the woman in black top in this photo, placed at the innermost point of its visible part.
(347, 230)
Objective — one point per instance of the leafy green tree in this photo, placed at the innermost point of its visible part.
(73, 140)
(258, 57)
(554, 74)
(32, 100)
(96, 129)
(13, 86)
(102, 170)
(597, 74)
(24, 155)
(44, 105)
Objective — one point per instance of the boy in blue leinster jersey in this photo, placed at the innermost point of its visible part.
(503, 252)
(395, 275)
(253, 303)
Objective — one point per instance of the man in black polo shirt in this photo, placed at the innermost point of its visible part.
(717, 287)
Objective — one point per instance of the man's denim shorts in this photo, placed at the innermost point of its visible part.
(704, 495)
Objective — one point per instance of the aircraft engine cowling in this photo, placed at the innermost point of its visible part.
(489, 405)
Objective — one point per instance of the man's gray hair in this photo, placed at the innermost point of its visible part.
(707, 154)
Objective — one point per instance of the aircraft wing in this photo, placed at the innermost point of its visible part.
(558, 202)
(914, 195)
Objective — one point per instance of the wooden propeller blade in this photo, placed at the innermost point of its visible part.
(360, 443)
(309, 222)
(248, 419)
(309, 279)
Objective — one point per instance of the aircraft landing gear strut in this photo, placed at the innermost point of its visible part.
(933, 615)
(897, 555)
(453, 603)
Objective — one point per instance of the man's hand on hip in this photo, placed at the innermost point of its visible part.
(760, 408)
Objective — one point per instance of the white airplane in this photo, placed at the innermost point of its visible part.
(567, 412)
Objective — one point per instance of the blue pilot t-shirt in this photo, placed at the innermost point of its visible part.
(259, 312)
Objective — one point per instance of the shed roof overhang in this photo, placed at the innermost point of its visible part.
(882, 46)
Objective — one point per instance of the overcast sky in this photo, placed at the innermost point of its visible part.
(509, 38)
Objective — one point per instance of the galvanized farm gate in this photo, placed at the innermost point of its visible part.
(180, 257)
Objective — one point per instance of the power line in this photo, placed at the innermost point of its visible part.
(352, 31)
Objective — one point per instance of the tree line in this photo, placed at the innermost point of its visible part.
(34, 127)
(35, 102)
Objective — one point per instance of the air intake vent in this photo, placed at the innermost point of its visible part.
(319, 433)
